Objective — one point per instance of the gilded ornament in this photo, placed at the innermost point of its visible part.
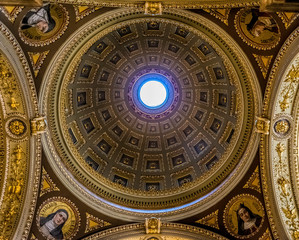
(94, 223)
(254, 181)
(288, 209)
(282, 126)
(38, 125)
(13, 103)
(210, 220)
(262, 125)
(11, 12)
(17, 127)
(15, 187)
(288, 91)
(153, 8)
(47, 184)
(152, 225)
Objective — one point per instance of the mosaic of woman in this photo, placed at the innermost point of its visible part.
(51, 226)
(40, 19)
(248, 222)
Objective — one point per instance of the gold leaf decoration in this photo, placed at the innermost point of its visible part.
(288, 17)
(37, 60)
(254, 181)
(221, 13)
(266, 235)
(93, 223)
(83, 11)
(47, 185)
(33, 237)
(264, 63)
(288, 209)
(210, 220)
(291, 80)
(11, 12)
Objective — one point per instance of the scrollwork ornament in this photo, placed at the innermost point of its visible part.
(290, 85)
(14, 190)
(285, 195)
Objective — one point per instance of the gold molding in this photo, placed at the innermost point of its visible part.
(183, 4)
(29, 3)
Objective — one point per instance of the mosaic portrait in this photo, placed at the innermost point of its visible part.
(58, 218)
(258, 29)
(41, 26)
(243, 216)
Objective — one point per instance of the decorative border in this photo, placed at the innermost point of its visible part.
(20, 149)
(167, 230)
(278, 212)
(167, 4)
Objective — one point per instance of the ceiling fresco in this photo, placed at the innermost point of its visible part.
(83, 156)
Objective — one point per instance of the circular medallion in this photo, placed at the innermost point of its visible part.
(257, 29)
(42, 26)
(16, 128)
(282, 126)
(59, 215)
(243, 216)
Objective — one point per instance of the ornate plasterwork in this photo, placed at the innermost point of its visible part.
(20, 160)
(210, 220)
(94, 223)
(185, 4)
(279, 150)
(77, 43)
(169, 231)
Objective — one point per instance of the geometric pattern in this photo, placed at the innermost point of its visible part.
(83, 11)
(288, 17)
(37, 60)
(254, 181)
(47, 185)
(93, 223)
(263, 62)
(221, 14)
(210, 220)
(11, 12)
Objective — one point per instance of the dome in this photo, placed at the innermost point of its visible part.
(124, 152)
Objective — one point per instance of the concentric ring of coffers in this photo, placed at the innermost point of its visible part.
(151, 160)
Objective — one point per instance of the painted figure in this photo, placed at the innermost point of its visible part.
(51, 226)
(40, 19)
(261, 22)
(247, 221)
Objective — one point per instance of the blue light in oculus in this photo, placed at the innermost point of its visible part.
(153, 93)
